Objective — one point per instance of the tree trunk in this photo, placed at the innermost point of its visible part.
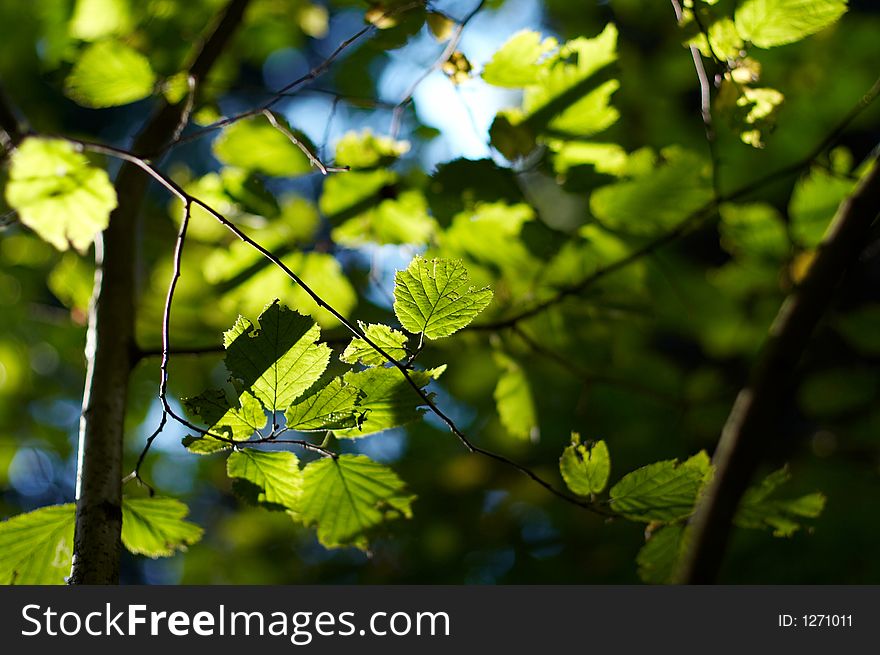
(110, 344)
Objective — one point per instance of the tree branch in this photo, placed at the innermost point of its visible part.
(753, 421)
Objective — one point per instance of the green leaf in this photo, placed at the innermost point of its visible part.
(348, 496)
(390, 340)
(360, 150)
(276, 473)
(753, 231)
(657, 201)
(277, 360)
(238, 422)
(257, 146)
(585, 467)
(388, 399)
(514, 400)
(813, 204)
(490, 235)
(155, 526)
(37, 547)
(109, 73)
(663, 491)
(432, 297)
(58, 194)
(519, 61)
(658, 558)
(566, 99)
(400, 220)
(351, 194)
(769, 23)
(334, 406)
(759, 509)
(757, 109)
(96, 19)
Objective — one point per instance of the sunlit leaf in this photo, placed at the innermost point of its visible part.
(238, 422)
(585, 467)
(519, 61)
(769, 23)
(657, 201)
(278, 359)
(367, 150)
(110, 73)
(388, 400)
(37, 547)
(276, 473)
(58, 194)
(813, 204)
(514, 399)
(390, 340)
(663, 491)
(753, 231)
(334, 406)
(348, 496)
(433, 297)
(155, 526)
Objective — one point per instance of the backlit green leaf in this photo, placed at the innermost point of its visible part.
(155, 526)
(58, 194)
(367, 150)
(388, 399)
(663, 491)
(390, 340)
(277, 473)
(332, 407)
(519, 61)
(348, 496)
(585, 467)
(433, 297)
(514, 400)
(769, 23)
(278, 359)
(239, 423)
(37, 547)
(110, 73)
(656, 201)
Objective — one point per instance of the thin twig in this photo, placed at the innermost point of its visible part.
(705, 98)
(313, 159)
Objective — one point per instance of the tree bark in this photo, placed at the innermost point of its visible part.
(110, 344)
(749, 431)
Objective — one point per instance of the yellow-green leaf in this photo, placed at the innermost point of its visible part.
(58, 194)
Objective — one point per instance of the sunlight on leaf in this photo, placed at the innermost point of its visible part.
(37, 547)
(58, 194)
(155, 527)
